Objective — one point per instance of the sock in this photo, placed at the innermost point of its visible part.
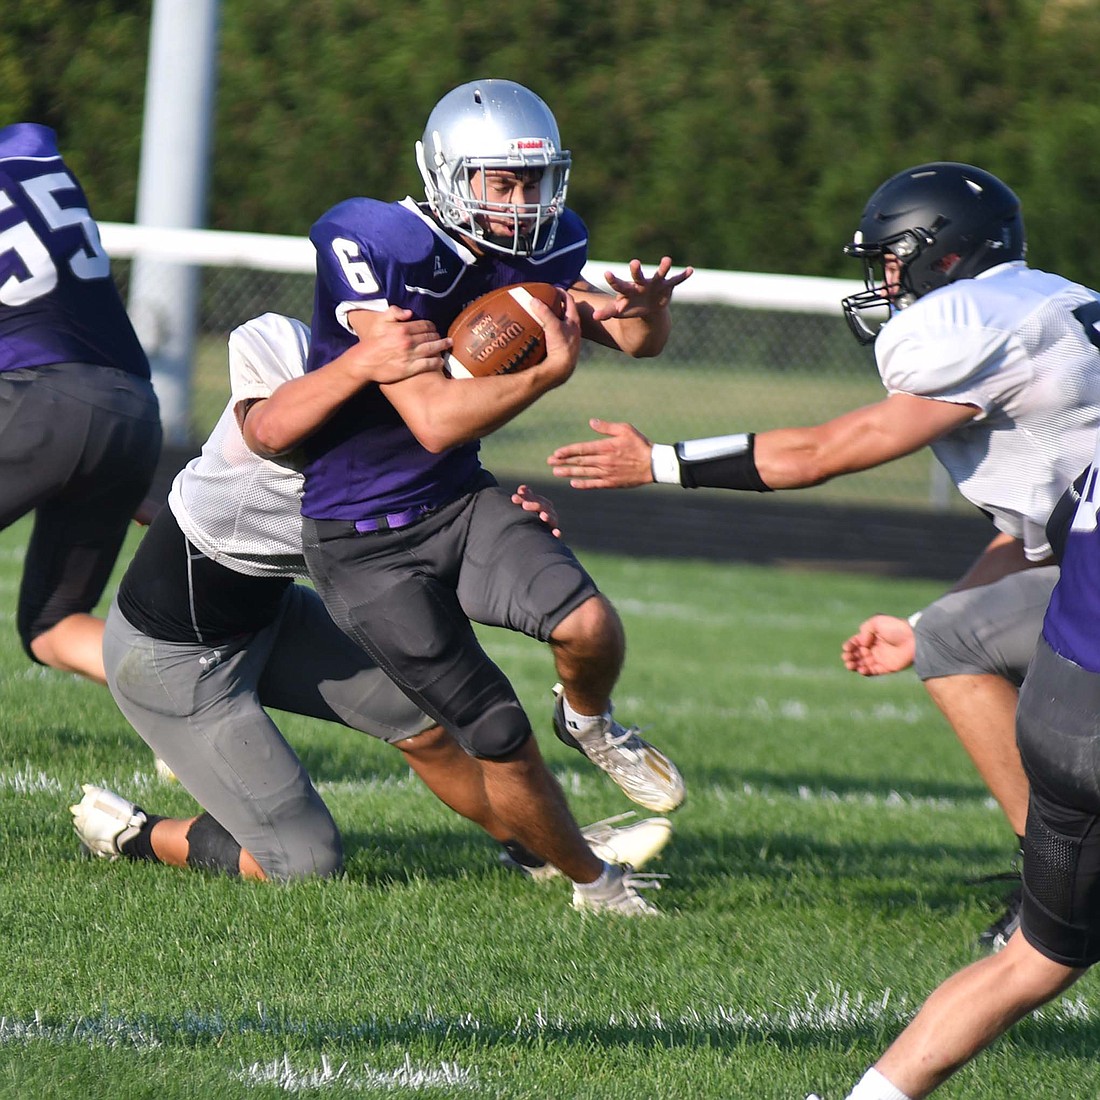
(523, 856)
(582, 723)
(141, 846)
(600, 883)
(873, 1086)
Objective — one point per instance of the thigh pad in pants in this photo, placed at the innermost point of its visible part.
(990, 630)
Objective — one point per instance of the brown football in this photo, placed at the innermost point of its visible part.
(498, 334)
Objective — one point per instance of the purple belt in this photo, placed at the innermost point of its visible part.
(394, 520)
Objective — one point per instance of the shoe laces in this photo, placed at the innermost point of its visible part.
(617, 736)
(641, 880)
(603, 830)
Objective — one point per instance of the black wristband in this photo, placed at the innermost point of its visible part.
(732, 468)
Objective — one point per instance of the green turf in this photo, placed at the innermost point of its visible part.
(817, 891)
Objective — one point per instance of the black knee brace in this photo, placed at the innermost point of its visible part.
(496, 733)
(211, 848)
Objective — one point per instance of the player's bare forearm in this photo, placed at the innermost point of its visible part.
(635, 319)
(296, 409)
(392, 345)
(445, 412)
(620, 460)
(1003, 555)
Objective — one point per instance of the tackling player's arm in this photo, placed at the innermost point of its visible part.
(635, 319)
(785, 458)
(392, 346)
(444, 412)
(1004, 554)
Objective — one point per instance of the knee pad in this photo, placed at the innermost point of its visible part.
(496, 733)
(211, 848)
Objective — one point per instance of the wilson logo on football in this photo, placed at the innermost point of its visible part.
(499, 333)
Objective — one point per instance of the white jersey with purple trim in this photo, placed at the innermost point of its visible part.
(239, 509)
(370, 255)
(1022, 346)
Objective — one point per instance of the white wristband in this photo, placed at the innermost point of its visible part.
(664, 464)
(915, 618)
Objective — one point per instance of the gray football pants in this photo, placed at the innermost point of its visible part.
(988, 630)
(201, 710)
(78, 447)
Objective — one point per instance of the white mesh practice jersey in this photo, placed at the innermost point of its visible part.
(1023, 346)
(237, 508)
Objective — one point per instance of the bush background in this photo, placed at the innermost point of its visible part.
(742, 136)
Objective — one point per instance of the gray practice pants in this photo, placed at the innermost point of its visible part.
(988, 630)
(201, 710)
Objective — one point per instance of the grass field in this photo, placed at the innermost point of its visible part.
(817, 891)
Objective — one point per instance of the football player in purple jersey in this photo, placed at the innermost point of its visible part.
(79, 424)
(408, 538)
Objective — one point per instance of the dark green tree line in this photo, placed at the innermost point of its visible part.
(741, 135)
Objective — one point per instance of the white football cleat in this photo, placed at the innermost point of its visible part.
(644, 773)
(105, 821)
(635, 844)
(619, 895)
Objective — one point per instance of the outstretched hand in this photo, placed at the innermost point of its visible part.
(883, 644)
(530, 501)
(639, 296)
(621, 460)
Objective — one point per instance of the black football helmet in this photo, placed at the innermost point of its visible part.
(942, 222)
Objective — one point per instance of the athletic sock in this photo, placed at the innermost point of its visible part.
(582, 723)
(141, 846)
(873, 1086)
(599, 883)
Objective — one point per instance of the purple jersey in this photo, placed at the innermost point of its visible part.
(1071, 624)
(365, 461)
(58, 303)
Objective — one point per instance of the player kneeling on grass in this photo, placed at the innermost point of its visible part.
(209, 629)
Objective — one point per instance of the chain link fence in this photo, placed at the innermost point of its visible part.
(789, 360)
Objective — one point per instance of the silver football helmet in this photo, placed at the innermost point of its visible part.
(494, 124)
